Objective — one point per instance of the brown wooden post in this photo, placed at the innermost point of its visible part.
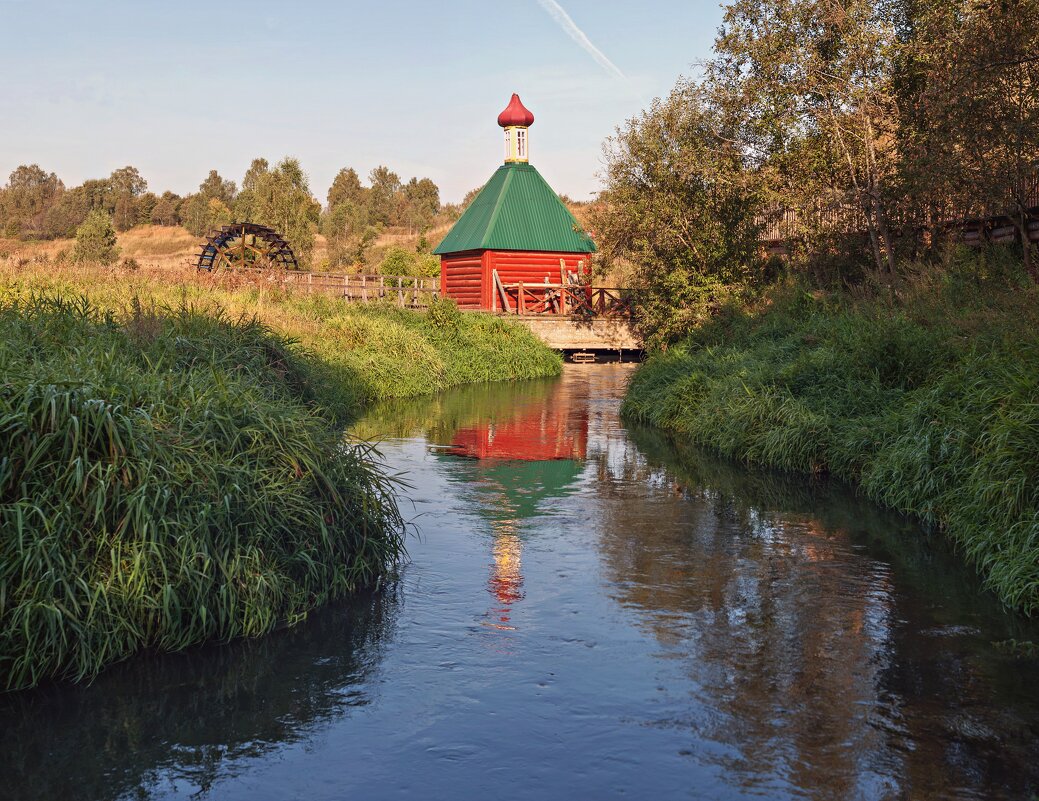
(522, 300)
(382, 287)
(364, 288)
(400, 291)
(310, 283)
(562, 287)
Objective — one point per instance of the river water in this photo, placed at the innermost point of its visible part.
(587, 613)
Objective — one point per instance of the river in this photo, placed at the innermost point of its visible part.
(587, 612)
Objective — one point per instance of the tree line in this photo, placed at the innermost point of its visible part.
(36, 204)
(875, 121)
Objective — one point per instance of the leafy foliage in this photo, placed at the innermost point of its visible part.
(96, 240)
(678, 210)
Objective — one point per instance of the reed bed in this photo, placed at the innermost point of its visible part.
(166, 479)
(929, 402)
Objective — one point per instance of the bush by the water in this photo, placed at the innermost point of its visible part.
(931, 404)
(165, 479)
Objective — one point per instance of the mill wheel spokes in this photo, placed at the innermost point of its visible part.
(242, 245)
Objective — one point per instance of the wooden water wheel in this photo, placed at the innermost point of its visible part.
(244, 244)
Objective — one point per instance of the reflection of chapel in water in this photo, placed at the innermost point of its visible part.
(515, 466)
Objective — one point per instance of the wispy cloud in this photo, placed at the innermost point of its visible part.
(558, 13)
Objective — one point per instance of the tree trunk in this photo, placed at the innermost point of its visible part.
(1026, 244)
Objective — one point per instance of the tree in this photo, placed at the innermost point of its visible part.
(678, 209)
(280, 198)
(30, 193)
(215, 187)
(812, 82)
(382, 197)
(346, 188)
(96, 240)
(971, 77)
(125, 216)
(421, 203)
(257, 169)
(164, 213)
(145, 207)
(200, 214)
(125, 181)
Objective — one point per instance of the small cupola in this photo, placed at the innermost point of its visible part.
(516, 119)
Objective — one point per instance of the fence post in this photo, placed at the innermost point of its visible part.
(400, 291)
(364, 288)
(522, 301)
(310, 283)
(382, 287)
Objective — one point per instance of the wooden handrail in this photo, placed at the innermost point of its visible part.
(565, 299)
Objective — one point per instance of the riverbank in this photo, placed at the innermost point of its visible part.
(929, 402)
(361, 352)
(172, 466)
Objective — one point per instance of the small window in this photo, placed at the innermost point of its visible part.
(521, 143)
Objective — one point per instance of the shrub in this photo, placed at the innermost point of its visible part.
(397, 261)
(96, 240)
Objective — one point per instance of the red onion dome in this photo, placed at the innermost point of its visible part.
(515, 114)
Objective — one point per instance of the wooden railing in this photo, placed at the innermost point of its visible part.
(566, 300)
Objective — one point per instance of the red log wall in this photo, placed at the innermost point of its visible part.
(462, 278)
(468, 277)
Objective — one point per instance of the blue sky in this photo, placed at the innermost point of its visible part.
(177, 89)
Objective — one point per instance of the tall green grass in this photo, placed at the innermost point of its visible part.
(362, 353)
(930, 403)
(165, 479)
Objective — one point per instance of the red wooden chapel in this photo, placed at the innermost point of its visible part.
(515, 230)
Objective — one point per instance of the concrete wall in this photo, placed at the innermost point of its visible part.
(564, 333)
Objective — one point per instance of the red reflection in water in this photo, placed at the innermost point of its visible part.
(542, 433)
(548, 430)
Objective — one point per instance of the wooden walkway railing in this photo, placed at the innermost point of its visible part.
(565, 300)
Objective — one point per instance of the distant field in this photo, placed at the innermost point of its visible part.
(174, 246)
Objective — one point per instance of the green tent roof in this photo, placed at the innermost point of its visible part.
(517, 210)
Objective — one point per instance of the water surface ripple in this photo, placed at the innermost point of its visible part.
(587, 613)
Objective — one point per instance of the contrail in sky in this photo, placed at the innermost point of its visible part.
(557, 13)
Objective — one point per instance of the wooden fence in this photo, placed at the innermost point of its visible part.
(405, 291)
(779, 224)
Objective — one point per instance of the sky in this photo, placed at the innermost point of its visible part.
(178, 89)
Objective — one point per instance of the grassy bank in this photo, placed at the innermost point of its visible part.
(928, 401)
(172, 464)
(361, 352)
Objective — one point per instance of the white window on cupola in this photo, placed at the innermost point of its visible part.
(521, 143)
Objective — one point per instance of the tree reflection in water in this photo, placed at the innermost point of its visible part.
(815, 629)
(186, 721)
